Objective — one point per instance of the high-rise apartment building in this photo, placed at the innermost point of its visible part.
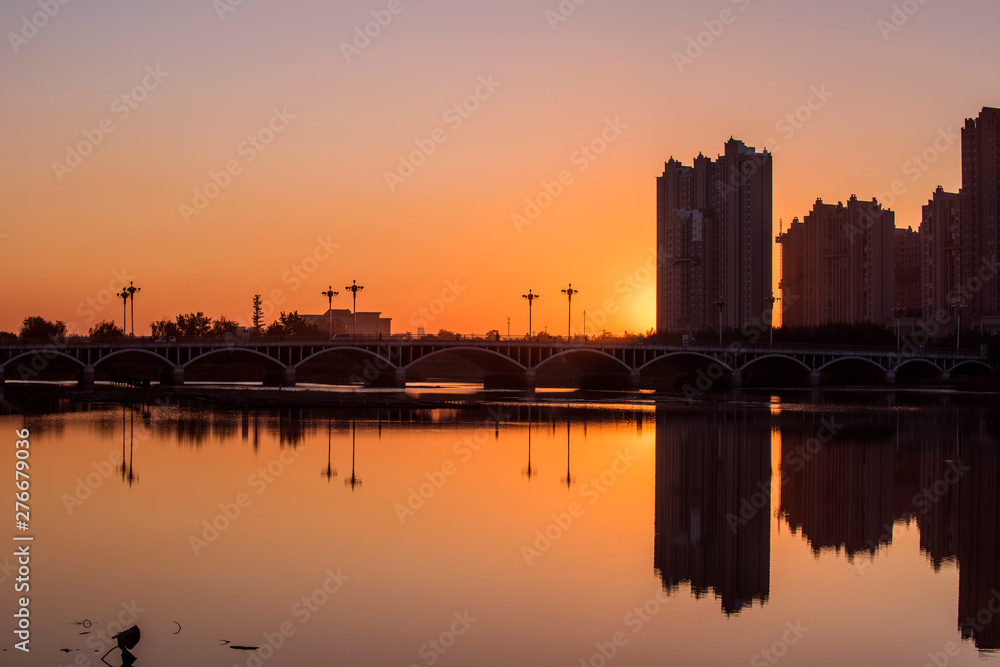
(839, 265)
(909, 273)
(941, 236)
(714, 222)
(981, 218)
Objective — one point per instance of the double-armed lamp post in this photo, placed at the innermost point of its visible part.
(354, 289)
(721, 304)
(530, 297)
(569, 291)
(329, 294)
(771, 299)
(898, 311)
(128, 296)
(959, 307)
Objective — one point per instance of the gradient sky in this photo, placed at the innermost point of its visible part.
(65, 238)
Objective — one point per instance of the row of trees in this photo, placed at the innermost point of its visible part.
(186, 324)
(199, 324)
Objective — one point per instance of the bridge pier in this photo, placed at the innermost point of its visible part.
(634, 378)
(400, 377)
(813, 378)
(177, 377)
(87, 376)
(529, 378)
(946, 375)
(737, 379)
(890, 377)
(1, 376)
(289, 377)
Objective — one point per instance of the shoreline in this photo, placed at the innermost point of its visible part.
(41, 397)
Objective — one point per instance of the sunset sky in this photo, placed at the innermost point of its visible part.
(118, 113)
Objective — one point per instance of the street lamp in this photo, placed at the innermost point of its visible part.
(132, 289)
(959, 307)
(329, 294)
(530, 297)
(898, 311)
(124, 297)
(721, 304)
(569, 291)
(354, 289)
(772, 299)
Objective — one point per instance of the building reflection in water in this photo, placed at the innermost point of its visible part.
(917, 466)
(935, 468)
(838, 484)
(707, 465)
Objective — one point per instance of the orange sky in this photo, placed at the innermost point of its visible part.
(197, 85)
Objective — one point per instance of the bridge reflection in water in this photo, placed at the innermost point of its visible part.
(518, 363)
(726, 475)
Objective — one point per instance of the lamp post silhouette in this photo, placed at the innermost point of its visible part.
(132, 289)
(329, 473)
(530, 297)
(354, 289)
(529, 471)
(772, 300)
(569, 291)
(353, 482)
(959, 307)
(721, 304)
(898, 311)
(124, 297)
(127, 471)
(568, 479)
(329, 294)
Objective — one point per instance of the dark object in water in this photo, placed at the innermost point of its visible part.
(127, 639)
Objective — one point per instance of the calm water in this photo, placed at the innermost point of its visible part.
(847, 530)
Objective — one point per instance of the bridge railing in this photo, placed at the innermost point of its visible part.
(727, 347)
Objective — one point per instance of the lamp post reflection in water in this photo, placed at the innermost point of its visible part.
(529, 471)
(329, 473)
(568, 480)
(353, 482)
(127, 471)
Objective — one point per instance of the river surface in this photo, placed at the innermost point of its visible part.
(842, 528)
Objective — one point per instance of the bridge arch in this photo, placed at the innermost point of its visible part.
(474, 355)
(909, 362)
(346, 348)
(44, 353)
(584, 352)
(852, 358)
(692, 353)
(806, 367)
(230, 350)
(974, 362)
(141, 351)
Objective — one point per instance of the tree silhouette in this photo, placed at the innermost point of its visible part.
(38, 327)
(106, 329)
(194, 324)
(293, 324)
(257, 314)
(224, 325)
(164, 328)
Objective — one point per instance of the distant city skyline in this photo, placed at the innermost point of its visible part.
(208, 155)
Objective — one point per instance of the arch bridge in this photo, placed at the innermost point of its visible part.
(390, 360)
